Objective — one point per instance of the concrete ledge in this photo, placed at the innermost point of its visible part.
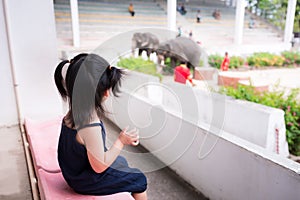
(230, 142)
(204, 73)
(258, 86)
(231, 78)
(224, 166)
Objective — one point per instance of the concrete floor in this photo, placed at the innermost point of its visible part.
(14, 181)
(163, 184)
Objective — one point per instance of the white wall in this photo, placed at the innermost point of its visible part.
(235, 169)
(8, 114)
(31, 29)
(253, 122)
(217, 163)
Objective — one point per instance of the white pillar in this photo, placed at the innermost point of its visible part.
(28, 59)
(172, 14)
(75, 22)
(233, 3)
(239, 21)
(9, 111)
(289, 23)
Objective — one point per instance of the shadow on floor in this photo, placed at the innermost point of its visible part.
(163, 183)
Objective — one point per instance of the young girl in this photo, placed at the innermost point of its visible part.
(86, 164)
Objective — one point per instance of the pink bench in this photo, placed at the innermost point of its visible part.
(54, 187)
(43, 140)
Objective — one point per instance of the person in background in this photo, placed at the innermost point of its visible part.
(225, 63)
(181, 9)
(87, 165)
(217, 14)
(251, 22)
(131, 9)
(182, 74)
(198, 16)
(179, 33)
(191, 34)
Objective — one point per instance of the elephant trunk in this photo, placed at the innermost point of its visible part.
(133, 46)
(160, 60)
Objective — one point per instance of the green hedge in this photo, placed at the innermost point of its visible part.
(168, 69)
(289, 103)
(215, 60)
(139, 65)
(291, 57)
(262, 59)
(236, 62)
(265, 59)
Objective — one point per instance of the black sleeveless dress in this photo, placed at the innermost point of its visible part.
(78, 173)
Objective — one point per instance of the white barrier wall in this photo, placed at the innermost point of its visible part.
(257, 124)
(261, 125)
(29, 41)
(219, 164)
(8, 114)
(253, 122)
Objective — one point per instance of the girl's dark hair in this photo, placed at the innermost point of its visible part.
(59, 79)
(87, 79)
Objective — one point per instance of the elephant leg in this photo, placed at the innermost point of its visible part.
(148, 53)
(158, 60)
(158, 65)
(140, 52)
(190, 66)
(173, 62)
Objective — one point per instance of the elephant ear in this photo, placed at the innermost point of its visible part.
(168, 47)
(187, 48)
(138, 37)
(176, 50)
(163, 47)
(144, 40)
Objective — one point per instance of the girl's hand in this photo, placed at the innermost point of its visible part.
(130, 137)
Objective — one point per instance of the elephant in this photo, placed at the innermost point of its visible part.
(144, 42)
(180, 49)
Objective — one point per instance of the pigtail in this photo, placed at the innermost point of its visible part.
(59, 79)
(83, 91)
(115, 79)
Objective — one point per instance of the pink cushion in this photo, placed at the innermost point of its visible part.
(52, 186)
(43, 141)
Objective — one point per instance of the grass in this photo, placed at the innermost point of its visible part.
(139, 65)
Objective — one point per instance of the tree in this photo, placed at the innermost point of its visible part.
(275, 11)
(297, 18)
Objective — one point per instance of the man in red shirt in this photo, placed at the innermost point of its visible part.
(182, 73)
(225, 63)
